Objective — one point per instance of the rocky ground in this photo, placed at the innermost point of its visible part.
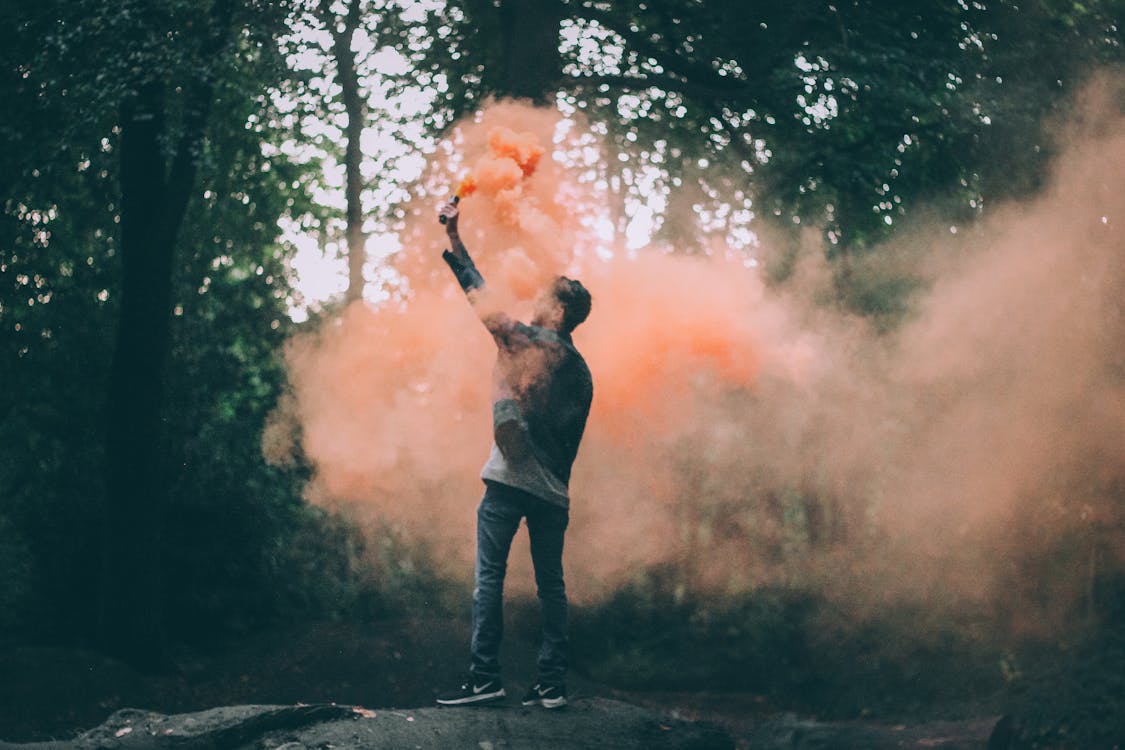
(340, 685)
(592, 723)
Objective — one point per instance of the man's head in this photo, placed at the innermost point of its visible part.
(563, 305)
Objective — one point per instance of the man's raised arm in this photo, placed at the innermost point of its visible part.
(506, 331)
(458, 258)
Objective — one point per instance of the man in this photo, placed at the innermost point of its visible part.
(541, 398)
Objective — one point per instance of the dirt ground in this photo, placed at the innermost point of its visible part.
(51, 693)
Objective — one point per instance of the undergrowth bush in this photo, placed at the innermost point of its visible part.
(15, 583)
(652, 635)
(792, 645)
(905, 662)
(300, 564)
(1070, 694)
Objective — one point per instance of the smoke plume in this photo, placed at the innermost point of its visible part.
(741, 434)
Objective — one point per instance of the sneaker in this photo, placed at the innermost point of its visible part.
(547, 696)
(472, 693)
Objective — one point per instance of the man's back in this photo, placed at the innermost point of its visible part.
(550, 383)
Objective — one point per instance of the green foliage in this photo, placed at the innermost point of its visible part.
(883, 295)
(654, 634)
(843, 116)
(902, 661)
(1070, 693)
(57, 267)
(239, 546)
(15, 586)
(792, 645)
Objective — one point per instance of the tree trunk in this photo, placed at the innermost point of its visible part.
(153, 203)
(531, 67)
(356, 110)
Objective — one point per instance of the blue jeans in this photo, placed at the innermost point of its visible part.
(498, 518)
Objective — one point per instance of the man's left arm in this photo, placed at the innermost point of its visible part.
(507, 332)
(458, 257)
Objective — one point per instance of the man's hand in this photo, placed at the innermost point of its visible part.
(448, 216)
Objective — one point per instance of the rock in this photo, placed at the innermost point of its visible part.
(791, 733)
(587, 724)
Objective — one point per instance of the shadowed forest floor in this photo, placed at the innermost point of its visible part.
(52, 693)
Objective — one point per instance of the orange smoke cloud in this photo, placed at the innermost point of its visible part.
(738, 432)
(522, 148)
(393, 401)
(669, 325)
(500, 172)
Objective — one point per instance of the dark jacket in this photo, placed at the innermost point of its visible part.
(541, 372)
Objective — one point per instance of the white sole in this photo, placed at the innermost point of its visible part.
(471, 699)
(547, 702)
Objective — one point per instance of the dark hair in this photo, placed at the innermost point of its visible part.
(575, 301)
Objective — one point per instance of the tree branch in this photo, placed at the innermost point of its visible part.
(702, 76)
(665, 82)
(200, 99)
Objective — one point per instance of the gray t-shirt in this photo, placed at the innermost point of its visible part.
(527, 474)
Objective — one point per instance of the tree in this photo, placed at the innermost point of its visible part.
(363, 106)
(147, 79)
(513, 47)
(156, 183)
(343, 27)
(155, 188)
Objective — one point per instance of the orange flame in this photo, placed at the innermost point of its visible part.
(467, 187)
